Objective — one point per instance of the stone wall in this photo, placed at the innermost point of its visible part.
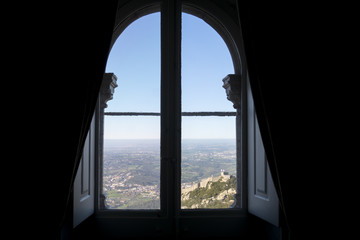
(189, 189)
(203, 183)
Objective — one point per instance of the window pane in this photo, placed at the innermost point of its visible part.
(131, 165)
(206, 60)
(135, 60)
(131, 160)
(208, 157)
(208, 162)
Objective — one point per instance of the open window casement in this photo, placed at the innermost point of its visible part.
(84, 184)
(263, 201)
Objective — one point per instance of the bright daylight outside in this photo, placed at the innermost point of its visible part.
(131, 160)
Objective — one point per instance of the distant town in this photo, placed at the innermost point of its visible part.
(121, 194)
(131, 173)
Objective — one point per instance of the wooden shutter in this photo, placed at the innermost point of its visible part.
(263, 201)
(84, 185)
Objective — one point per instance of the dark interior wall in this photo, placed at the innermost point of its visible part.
(59, 46)
(290, 48)
(259, 229)
(59, 54)
(272, 40)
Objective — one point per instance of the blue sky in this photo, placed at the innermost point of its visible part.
(135, 60)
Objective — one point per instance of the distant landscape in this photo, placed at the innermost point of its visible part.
(131, 169)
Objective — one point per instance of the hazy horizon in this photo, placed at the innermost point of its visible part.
(135, 59)
(159, 139)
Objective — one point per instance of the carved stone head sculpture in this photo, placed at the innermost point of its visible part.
(232, 85)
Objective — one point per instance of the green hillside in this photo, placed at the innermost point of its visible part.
(219, 194)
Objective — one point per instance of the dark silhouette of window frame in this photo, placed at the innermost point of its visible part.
(170, 211)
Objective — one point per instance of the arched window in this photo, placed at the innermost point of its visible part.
(173, 150)
(131, 154)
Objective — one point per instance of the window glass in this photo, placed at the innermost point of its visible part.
(131, 156)
(135, 60)
(131, 173)
(205, 61)
(208, 156)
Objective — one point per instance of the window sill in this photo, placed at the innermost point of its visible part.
(220, 223)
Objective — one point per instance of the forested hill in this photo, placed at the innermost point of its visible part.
(219, 194)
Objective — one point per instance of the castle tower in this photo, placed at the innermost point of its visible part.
(223, 173)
